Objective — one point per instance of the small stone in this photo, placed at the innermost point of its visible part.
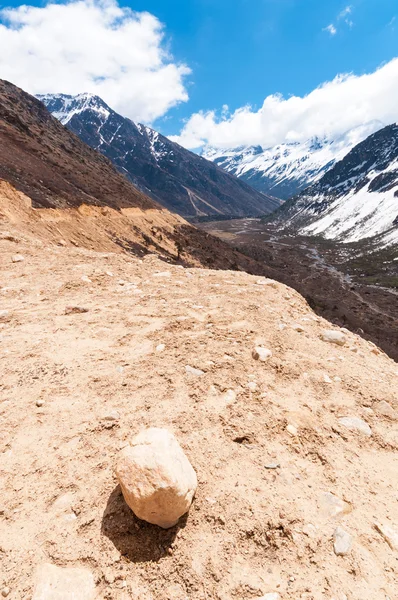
(298, 328)
(389, 534)
(229, 397)
(17, 258)
(269, 282)
(162, 274)
(157, 479)
(252, 386)
(327, 379)
(57, 583)
(342, 542)
(262, 354)
(382, 408)
(113, 415)
(333, 506)
(40, 402)
(356, 424)
(4, 315)
(310, 530)
(274, 465)
(5, 592)
(192, 371)
(61, 243)
(270, 596)
(292, 430)
(72, 310)
(160, 348)
(333, 337)
(86, 279)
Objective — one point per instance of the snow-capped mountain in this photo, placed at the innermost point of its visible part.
(357, 199)
(286, 169)
(178, 179)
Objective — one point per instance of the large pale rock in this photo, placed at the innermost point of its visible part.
(333, 337)
(157, 479)
(356, 424)
(57, 583)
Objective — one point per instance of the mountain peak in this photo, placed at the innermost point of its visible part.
(65, 106)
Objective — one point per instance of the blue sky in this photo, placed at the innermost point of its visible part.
(241, 51)
(238, 52)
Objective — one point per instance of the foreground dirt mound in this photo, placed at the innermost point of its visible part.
(286, 451)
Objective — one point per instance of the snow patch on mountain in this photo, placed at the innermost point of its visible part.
(64, 107)
(286, 169)
(357, 199)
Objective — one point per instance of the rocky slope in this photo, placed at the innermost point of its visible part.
(286, 169)
(90, 202)
(176, 178)
(296, 457)
(357, 199)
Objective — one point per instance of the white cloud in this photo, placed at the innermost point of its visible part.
(331, 29)
(332, 109)
(345, 12)
(92, 46)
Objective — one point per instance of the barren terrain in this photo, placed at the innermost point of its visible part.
(344, 283)
(277, 469)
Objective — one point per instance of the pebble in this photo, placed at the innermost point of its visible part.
(262, 354)
(274, 465)
(356, 424)
(310, 530)
(333, 337)
(17, 258)
(86, 279)
(389, 534)
(334, 506)
(4, 315)
(292, 430)
(113, 415)
(298, 328)
(270, 596)
(382, 408)
(162, 274)
(342, 542)
(5, 592)
(269, 282)
(252, 386)
(160, 348)
(327, 379)
(229, 396)
(40, 402)
(72, 310)
(193, 371)
(58, 582)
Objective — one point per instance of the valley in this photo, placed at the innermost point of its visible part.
(340, 282)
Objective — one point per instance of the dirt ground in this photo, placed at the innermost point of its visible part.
(74, 389)
(330, 276)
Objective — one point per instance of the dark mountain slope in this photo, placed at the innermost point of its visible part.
(51, 165)
(180, 180)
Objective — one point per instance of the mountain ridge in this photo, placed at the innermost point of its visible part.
(286, 169)
(178, 179)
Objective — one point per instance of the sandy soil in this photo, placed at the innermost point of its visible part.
(254, 527)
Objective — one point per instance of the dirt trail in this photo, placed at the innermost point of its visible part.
(263, 518)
